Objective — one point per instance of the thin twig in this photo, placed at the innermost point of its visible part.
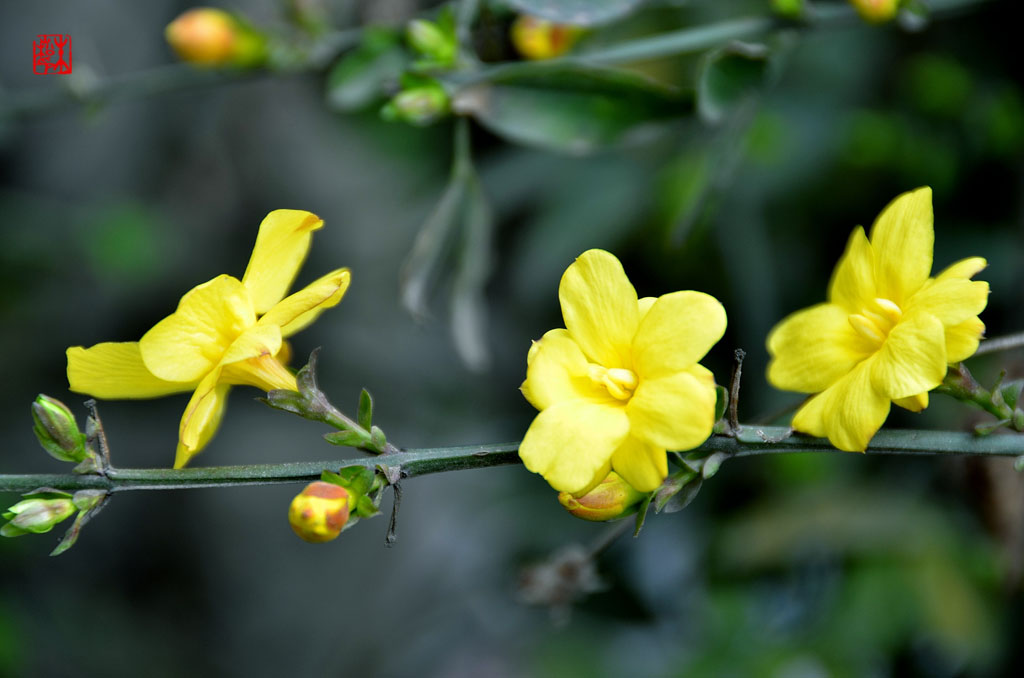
(1006, 343)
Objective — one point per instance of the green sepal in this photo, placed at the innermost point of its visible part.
(712, 464)
(71, 536)
(91, 464)
(677, 492)
(288, 401)
(11, 530)
(364, 416)
(85, 500)
(46, 493)
(358, 480)
(365, 508)
(348, 438)
(991, 427)
(641, 514)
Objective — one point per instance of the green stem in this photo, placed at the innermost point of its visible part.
(1010, 341)
(750, 441)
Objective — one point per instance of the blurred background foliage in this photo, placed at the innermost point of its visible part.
(738, 170)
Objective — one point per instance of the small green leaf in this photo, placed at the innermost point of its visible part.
(365, 507)
(378, 441)
(71, 536)
(1018, 463)
(1010, 392)
(721, 401)
(364, 76)
(988, 429)
(712, 464)
(365, 414)
(676, 492)
(346, 438)
(728, 77)
(641, 514)
(570, 107)
(577, 12)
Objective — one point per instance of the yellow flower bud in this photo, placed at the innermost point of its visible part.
(213, 37)
(319, 512)
(876, 11)
(536, 38)
(612, 498)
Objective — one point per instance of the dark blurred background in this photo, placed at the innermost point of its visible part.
(794, 566)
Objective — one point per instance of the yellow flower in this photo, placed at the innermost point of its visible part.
(539, 39)
(887, 332)
(876, 11)
(621, 383)
(224, 332)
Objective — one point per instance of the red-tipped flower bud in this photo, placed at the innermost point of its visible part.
(612, 498)
(319, 512)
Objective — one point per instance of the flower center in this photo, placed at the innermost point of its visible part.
(876, 321)
(620, 383)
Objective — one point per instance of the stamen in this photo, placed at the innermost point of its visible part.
(866, 328)
(890, 309)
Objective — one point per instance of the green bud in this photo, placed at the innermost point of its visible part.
(432, 41)
(56, 429)
(613, 498)
(36, 515)
(420, 105)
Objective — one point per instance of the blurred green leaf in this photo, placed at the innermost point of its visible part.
(576, 12)
(365, 75)
(938, 85)
(570, 108)
(461, 221)
(728, 77)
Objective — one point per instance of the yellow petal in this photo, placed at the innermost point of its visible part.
(643, 306)
(853, 282)
(571, 443)
(952, 300)
(903, 239)
(848, 413)
(915, 403)
(254, 342)
(115, 370)
(558, 372)
(640, 464)
(281, 246)
(298, 310)
(813, 348)
(675, 412)
(676, 332)
(913, 358)
(962, 339)
(202, 417)
(965, 268)
(187, 344)
(600, 308)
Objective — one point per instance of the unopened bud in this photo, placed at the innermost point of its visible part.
(612, 498)
(36, 515)
(319, 512)
(536, 38)
(420, 105)
(876, 11)
(213, 37)
(56, 429)
(432, 41)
